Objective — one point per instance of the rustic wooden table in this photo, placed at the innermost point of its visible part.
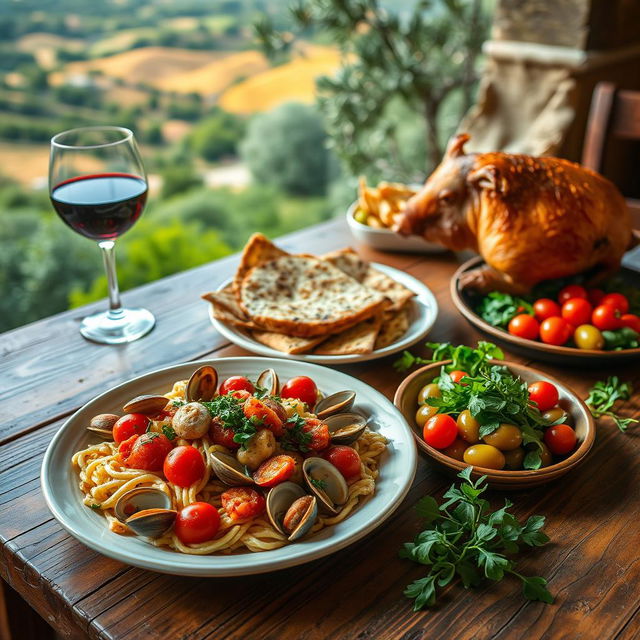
(48, 371)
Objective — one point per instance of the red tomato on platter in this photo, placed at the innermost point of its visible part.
(544, 394)
(236, 383)
(440, 431)
(274, 471)
(240, 394)
(595, 296)
(262, 415)
(457, 375)
(555, 331)
(301, 388)
(576, 311)
(571, 291)
(632, 321)
(146, 451)
(243, 503)
(320, 436)
(524, 326)
(617, 301)
(222, 436)
(345, 459)
(561, 439)
(130, 425)
(197, 523)
(183, 466)
(606, 317)
(546, 308)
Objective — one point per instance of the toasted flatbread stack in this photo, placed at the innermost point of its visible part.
(335, 304)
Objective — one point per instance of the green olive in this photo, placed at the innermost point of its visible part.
(456, 450)
(429, 391)
(553, 415)
(468, 427)
(505, 437)
(484, 455)
(586, 336)
(513, 459)
(361, 216)
(424, 413)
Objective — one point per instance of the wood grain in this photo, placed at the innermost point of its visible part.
(592, 516)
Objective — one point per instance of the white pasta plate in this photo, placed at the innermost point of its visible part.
(64, 499)
(423, 311)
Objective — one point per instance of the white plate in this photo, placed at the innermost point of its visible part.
(60, 482)
(423, 313)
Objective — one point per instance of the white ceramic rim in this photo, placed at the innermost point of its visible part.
(59, 481)
(424, 313)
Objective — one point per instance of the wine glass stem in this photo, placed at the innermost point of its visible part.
(109, 258)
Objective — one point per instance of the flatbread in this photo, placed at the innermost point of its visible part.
(396, 292)
(304, 296)
(258, 249)
(394, 326)
(225, 299)
(222, 314)
(358, 339)
(286, 344)
(349, 261)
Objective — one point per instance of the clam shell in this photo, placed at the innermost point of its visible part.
(151, 523)
(228, 469)
(269, 380)
(146, 511)
(333, 492)
(279, 499)
(102, 424)
(345, 428)
(335, 403)
(202, 384)
(148, 405)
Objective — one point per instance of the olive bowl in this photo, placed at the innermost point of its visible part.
(579, 417)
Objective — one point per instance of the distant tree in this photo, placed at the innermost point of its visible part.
(178, 179)
(153, 134)
(286, 147)
(217, 135)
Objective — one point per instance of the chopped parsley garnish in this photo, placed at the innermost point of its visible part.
(229, 411)
(95, 506)
(318, 484)
(169, 432)
(295, 437)
(178, 403)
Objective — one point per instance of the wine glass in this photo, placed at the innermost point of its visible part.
(98, 187)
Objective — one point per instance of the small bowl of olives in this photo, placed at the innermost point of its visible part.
(506, 455)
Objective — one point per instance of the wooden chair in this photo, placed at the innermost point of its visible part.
(614, 114)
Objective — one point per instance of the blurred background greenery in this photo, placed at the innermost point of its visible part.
(251, 115)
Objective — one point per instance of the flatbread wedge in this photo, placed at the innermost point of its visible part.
(394, 326)
(358, 339)
(349, 261)
(258, 249)
(225, 299)
(396, 292)
(286, 344)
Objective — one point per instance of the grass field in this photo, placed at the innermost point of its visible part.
(25, 163)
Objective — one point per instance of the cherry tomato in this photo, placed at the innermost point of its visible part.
(524, 326)
(440, 431)
(545, 455)
(425, 412)
(184, 466)
(606, 317)
(130, 425)
(430, 390)
(560, 439)
(262, 415)
(595, 296)
(236, 383)
(544, 394)
(571, 291)
(513, 459)
(301, 388)
(632, 321)
(576, 311)
(242, 503)
(586, 336)
(456, 376)
(320, 436)
(197, 523)
(456, 450)
(555, 331)
(345, 459)
(468, 427)
(617, 301)
(274, 471)
(506, 437)
(546, 308)
(146, 451)
(484, 455)
(222, 436)
(241, 394)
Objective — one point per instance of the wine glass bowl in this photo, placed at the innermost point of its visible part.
(98, 187)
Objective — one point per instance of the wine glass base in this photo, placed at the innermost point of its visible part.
(117, 327)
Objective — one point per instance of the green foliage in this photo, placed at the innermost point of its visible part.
(463, 357)
(499, 308)
(217, 136)
(604, 394)
(178, 179)
(286, 147)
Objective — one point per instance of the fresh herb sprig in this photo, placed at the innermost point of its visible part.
(466, 358)
(499, 308)
(464, 538)
(229, 411)
(604, 394)
(295, 437)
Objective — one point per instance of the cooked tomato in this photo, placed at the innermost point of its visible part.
(546, 308)
(571, 291)
(130, 425)
(586, 336)
(345, 459)
(242, 503)
(632, 321)
(184, 466)
(606, 317)
(576, 311)
(560, 439)
(617, 301)
(524, 326)
(555, 331)
(320, 436)
(544, 394)
(440, 431)
(236, 383)
(222, 436)
(274, 471)
(146, 451)
(595, 296)
(197, 523)
(241, 394)
(457, 375)
(301, 388)
(262, 415)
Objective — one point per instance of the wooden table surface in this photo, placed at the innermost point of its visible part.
(47, 371)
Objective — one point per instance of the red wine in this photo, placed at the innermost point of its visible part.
(101, 206)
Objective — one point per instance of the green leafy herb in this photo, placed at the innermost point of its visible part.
(602, 397)
(169, 432)
(319, 484)
(178, 403)
(499, 308)
(95, 506)
(260, 392)
(229, 411)
(295, 437)
(464, 538)
(625, 338)
(466, 358)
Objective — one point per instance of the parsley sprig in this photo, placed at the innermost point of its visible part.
(229, 411)
(499, 308)
(464, 538)
(295, 437)
(466, 358)
(604, 394)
